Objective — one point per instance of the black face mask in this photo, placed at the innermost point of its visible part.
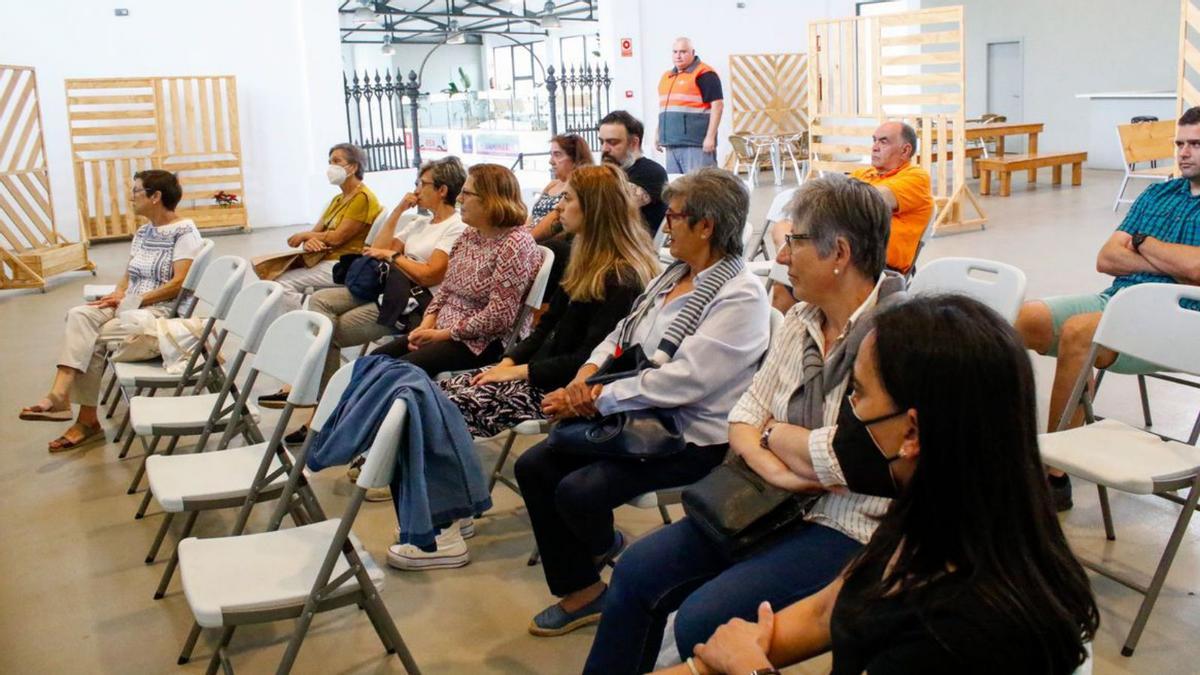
(866, 469)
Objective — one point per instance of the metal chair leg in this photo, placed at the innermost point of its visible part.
(137, 478)
(174, 561)
(389, 635)
(219, 657)
(115, 398)
(498, 469)
(1106, 513)
(186, 654)
(1160, 574)
(1141, 380)
(666, 517)
(158, 539)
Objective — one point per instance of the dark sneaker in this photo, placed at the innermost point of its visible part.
(554, 620)
(1060, 490)
(297, 437)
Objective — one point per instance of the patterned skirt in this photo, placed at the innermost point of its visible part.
(496, 406)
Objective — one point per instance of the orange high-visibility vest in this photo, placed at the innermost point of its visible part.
(683, 114)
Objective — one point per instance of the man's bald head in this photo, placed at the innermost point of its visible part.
(892, 146)
(682, 52)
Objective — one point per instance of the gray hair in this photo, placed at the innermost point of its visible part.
(720, 197)
(446, 172)
(836, 207)
(354, 154)
(909, 135)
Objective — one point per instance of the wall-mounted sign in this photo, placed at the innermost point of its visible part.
(626, 46)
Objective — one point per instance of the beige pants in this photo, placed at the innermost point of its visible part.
(353, 324)
(88, 333)
(295, 281)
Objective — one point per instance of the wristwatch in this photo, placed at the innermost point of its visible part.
(764, 441)
(1138, 238)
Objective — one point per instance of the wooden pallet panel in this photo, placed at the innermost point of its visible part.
(31, 248)
(186, 125)
(768, 93)
(908, 66)
(1188, 90)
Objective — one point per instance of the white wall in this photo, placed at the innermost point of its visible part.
(1072, 47)
(717, 29)
(284, 53)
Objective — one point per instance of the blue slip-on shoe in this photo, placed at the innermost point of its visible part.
(554, 620)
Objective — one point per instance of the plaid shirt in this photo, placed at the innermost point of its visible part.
(1170, 213)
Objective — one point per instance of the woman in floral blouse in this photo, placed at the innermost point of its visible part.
(491, 267)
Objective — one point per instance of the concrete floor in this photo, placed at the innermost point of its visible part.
(76, 597)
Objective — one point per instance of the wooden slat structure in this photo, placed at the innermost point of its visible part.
(187, 125)
(32, 249)
(1188, 92)
(768, 93)
(907, 66)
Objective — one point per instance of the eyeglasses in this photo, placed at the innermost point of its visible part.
(468, 193)
(672, 215)
(134, 191)
(791, 238)
(418, 184)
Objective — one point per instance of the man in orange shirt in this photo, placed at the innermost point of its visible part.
(905, 187)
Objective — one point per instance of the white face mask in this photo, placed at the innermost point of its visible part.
(336, 174)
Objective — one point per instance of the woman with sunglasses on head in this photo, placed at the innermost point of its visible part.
(969, 570)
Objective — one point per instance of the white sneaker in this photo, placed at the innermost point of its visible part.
(466, 527)
(451, 552)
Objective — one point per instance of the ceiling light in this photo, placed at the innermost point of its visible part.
(549, 18)
(457, 39)
(365, 16)
(388, 48)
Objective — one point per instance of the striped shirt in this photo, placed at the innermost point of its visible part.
(1170, 213)
(854, 515)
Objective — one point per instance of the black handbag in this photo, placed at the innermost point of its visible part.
(629, 435)
(402, 303)
(741, 512)
(363, 276)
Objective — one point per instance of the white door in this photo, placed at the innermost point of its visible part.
(1004, 87)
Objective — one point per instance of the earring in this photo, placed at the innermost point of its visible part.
(836, 271)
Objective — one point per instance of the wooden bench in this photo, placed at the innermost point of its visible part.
(1005, 165)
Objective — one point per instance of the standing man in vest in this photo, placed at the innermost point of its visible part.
(689, 104)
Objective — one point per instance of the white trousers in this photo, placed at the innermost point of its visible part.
(88, 332)
(295, 281)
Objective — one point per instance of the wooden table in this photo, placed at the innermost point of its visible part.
(998, 130)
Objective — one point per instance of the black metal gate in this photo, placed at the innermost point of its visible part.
(583, 96)
(375, 118)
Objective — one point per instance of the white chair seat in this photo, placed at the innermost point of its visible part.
(262, 572)
(146, 372)
(174, 412)
(1117, 455)
(206, 476)
(96, 291)
(531, 427)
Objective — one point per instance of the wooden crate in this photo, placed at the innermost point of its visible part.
(186, 125)
(32, 247)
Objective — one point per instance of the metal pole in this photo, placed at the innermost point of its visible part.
(551, 87)
(414, 91)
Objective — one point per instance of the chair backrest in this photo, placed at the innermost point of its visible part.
(377, 225)
(220, 283)
(198, 266)
(292, 350)
(995, 284)
(381, 458)
(537, 289)
(253, 310)
(1146, 321)
(333, 393)
(776, 322)
(741, 147)
(1146, 141)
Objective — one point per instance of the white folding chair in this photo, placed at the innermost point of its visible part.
(765, 246)
(998, 285)
(292, 350)
(297, 572)
(1114, 455)
(216, 288)
(255, 307)
(183, 306)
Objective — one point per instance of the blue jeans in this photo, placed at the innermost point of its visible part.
(679, 568)
(684, 158)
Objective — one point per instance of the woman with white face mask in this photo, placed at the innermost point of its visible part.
(341, 229)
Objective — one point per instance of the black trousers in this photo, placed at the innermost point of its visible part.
(440, 357)
(571, 499)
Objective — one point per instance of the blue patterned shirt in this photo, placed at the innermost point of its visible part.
(1170, 213)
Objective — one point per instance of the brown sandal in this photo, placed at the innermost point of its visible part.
(39, 413)
(92, 436)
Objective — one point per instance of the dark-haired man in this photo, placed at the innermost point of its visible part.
(621, 144)
(1158, 242)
